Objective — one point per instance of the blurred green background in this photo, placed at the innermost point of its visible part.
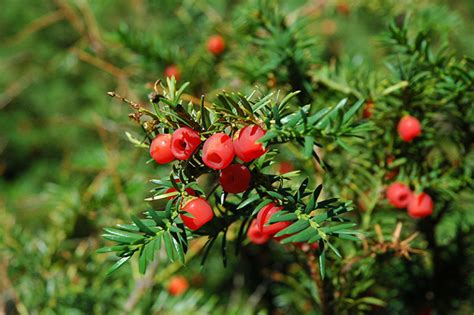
(66, 167)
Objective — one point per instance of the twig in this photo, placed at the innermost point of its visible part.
(125, 100)
(99, 63)
(93, 32)
(16, 88)
(36, 25)
(71, 15)
(141, 287)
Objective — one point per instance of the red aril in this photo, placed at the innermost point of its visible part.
(218, 151)
(255, 235)
(177, 285)
(200, 210)
(368, 109)
(235, 178)
(409, 128)
(173, 71)
(264, 216)
(184, 142)
(190, 191)
(160, 149)
(420, 206)
(245, 143)
(216, 45)
(399, 195)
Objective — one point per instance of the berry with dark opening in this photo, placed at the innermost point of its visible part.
(420, 206)
(264, 216)
(201, 213)
(255, 235)
(177, 285)
(245, 143)
(235, 178)
(173, 71)
(399, 195)
(409, 128)
(160, 149)
(218, 151)
(184, 142)
(216, 45)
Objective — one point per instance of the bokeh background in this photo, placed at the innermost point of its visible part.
(66, 167)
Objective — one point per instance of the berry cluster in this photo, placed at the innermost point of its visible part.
(218, 153)
(401, 196)
(398, 194)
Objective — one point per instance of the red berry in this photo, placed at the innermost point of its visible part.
(301, 245)
(264, 216)
(173, 71)
(216, 44)
(201, 211)
(190, 191)
(343, 8)
(409, 128)
(306, 247)
(160, 149)
(255, 235)
(218, 151)
(368, 109)
(285, 167)
(420, 206)
(245, 143)
(399, 195)
(184, 142)
(177, 285)
(235, 178)
(390, 173)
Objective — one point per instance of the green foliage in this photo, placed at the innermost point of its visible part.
(305, 72)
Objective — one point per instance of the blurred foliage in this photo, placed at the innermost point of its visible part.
(67, 169)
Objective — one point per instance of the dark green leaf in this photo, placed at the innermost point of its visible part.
(141, 225)
(277, 217)
(302, 236)
(248, 201)
(322, 264)
(295, 227)
(142, 261)
(118, 264)
(260, 206)
(169, 245)
(308, 146)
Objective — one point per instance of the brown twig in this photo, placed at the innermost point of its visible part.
(141, 287)
(152, 276)
(382, 246)
(36, 25)
(16, 88)
(71, 15)
(92, 28)
(99, 63)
